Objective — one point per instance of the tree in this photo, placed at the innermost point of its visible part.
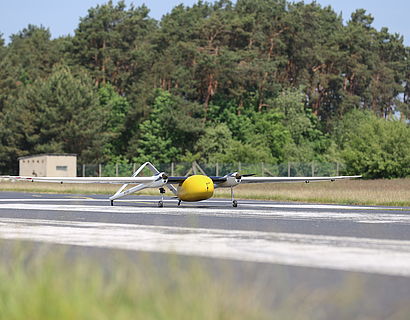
(279, 75)
(111, 42)
(217, 145)
(3, 51)
(117, 108)
(30, 55)
(264, 132)
(307, 141)
(2, 47)
(404, 107)
(169, 132)
(374, 147)
(58, 114)
(214, 143)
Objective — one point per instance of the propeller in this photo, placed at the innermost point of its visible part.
(162, 176)
(239, 176)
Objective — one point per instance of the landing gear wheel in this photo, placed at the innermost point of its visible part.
(234, 203)
(161, 202)
(179, 203)
(112, 203)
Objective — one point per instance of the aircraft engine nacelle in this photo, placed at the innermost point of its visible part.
(196, 188)
(162, 180)
(232, 180)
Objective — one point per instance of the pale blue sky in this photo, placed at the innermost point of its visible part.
(62, 17)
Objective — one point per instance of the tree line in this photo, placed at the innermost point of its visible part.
(250, 81)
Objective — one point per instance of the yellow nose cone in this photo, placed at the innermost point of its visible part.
(196, 188)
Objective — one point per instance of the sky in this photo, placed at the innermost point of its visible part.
(62, 17)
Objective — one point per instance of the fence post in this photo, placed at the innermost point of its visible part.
(172, 168)
(99, 170)
(288, 169)
(134, 167)
(83, 170)
(313, 169)
(263, 169)
(337, 168)
(239, 166)
(116, 169)
(217, 169)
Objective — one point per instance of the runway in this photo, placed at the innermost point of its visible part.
(372, 242)
(350, 238)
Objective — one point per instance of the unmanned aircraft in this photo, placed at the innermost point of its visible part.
(185, 188)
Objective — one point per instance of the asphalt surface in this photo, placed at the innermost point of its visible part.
(282, 248)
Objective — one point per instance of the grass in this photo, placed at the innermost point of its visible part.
(47, 282)
(364, 192)
(44, 283)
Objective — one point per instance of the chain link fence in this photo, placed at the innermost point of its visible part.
(290, 169)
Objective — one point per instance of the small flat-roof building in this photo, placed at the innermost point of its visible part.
(49, 165)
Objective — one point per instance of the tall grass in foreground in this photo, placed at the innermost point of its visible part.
(366, 192)
(53, 285)
(42, 282)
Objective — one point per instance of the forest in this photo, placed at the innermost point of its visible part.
(250, 81)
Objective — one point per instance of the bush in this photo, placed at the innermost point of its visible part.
(374, 147)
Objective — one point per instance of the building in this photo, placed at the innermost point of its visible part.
(49, 165)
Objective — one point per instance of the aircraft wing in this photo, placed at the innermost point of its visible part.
(171, 180)
(108, 180)
(293, 179)
(176, 180)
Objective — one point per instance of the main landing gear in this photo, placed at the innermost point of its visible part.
(234, 202)
(161, 202)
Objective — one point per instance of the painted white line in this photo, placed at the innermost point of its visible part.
(311, 215)
(243, 202)
(389, 257)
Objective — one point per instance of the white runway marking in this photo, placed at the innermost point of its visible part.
(213, 201)
(367, 217)
(389, 257)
